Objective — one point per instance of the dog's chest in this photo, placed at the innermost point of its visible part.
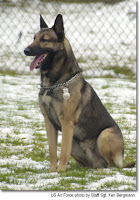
(50, 105)
(46, 98)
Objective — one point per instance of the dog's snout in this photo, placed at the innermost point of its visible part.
(27, 51)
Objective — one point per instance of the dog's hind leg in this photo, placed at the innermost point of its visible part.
(79, 154)
(89, 145)
(86, 153)
(111, 146)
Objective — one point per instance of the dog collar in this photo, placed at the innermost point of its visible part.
(53, 87)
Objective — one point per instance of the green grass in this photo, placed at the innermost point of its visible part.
(121, 70)
(8, 72)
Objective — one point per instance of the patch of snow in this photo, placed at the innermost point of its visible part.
(117, 177)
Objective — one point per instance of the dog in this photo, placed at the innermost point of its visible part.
(69, 104)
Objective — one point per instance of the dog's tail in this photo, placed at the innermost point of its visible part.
(118, 160)
(129, 165)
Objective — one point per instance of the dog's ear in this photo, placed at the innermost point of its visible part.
(42, 23)
(58, 27)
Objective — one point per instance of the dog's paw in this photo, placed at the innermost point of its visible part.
(61, 168)
(53, 169)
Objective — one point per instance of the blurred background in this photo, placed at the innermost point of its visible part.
(102, 34)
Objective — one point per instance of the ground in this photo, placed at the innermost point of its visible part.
(24, 157)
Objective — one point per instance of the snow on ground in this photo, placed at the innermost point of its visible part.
(117, 176)
(21, 122)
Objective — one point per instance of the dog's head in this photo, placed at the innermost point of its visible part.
(47, 40)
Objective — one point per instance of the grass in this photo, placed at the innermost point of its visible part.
(121, 70)
(24, 157)
(8, 72)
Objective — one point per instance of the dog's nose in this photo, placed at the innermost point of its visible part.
(27, 51)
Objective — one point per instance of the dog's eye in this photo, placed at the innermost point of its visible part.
(44, 40)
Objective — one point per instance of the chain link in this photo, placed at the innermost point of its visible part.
(53, 87)
(102, 34)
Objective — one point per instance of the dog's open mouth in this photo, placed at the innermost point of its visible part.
(38, 61)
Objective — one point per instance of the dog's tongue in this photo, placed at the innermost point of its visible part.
(35, 62)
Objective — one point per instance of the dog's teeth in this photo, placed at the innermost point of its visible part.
(42, 59)
(44, 56)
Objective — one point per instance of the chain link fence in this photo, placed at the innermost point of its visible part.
(102, 34)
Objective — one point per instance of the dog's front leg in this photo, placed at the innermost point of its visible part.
(68, 119)
(67, 137)
(52, 140)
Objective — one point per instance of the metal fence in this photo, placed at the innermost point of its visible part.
(102, 34)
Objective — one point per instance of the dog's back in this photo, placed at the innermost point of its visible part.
(70, 104)
(96, 134)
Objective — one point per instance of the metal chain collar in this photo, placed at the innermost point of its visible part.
(40, 85)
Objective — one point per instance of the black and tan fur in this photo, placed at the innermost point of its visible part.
(89, 133)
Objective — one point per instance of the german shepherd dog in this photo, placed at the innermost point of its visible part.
(69, 104)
